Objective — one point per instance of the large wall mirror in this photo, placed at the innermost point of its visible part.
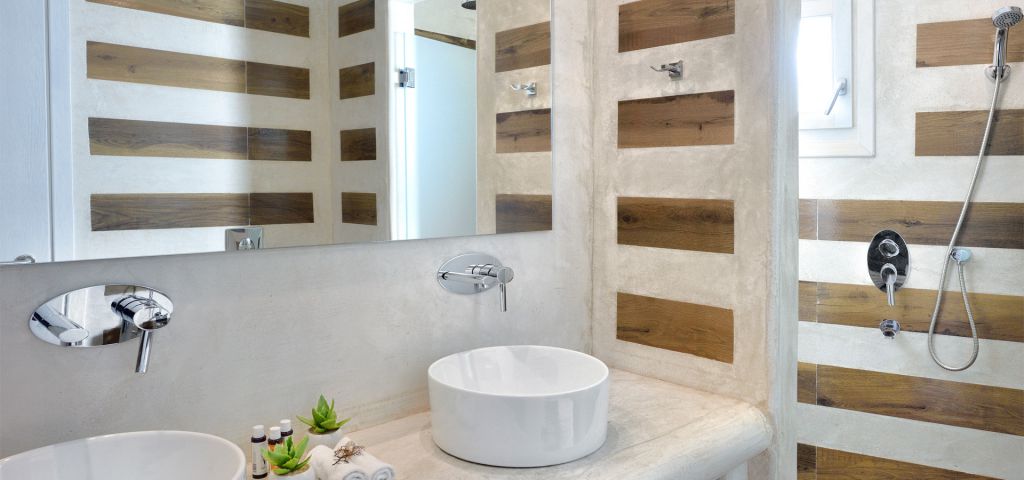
(168, 126)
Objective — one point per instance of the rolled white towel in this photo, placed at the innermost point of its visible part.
(323, 462)
(377, 469)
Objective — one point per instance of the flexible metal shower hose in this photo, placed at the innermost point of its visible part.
(959, 264)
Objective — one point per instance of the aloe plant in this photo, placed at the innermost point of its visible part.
(325, 419)
(287, 458)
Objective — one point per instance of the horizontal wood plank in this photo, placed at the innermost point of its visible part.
(277, 80)
(981, 407)
(807, 383)
(522, 47)
(998, 317)
(359, 208)
(356, 17)
(838, 465)
(808, 296)
(808, 219)
(677, 121)
(359, 144)
(357, 81)
(962, 42)
(281, 208)
(228, 12)
(992, 225)
(280, 145)
(683, 327)
(171, 210)
(136, 138)
(106, 61)
(806, 462)
(677, 223)
(960, 133)
(449, 39)
(525, 131)
(277, 17)
(654, 23)
(522, 213)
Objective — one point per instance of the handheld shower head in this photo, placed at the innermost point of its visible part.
(1003, 19)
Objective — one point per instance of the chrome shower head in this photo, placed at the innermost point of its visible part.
(471, 5)
(1007, 17)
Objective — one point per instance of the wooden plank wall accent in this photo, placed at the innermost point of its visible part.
(360, 144)
(960, 133)
(117, 212)
(524, 131)
(654, 23)
(137, 138)
(355, 17)
(981, 407)
(268, 15)
(992, 225)
(684, 224)
(963, 42)
(678, 120)
(808, 219)
(357, 81)
(522, 213)
(451, 39)
(359, 208)
(999, 317)
(522, 47)
(807, 383)
(683, 327)
(106, 61)
(817, 463)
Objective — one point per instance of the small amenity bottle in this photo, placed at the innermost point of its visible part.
(275, 438)
(286, 429)
(259, 441)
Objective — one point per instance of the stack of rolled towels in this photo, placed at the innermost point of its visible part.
(348, 462)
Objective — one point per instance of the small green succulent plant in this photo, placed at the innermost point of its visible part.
(287, 458)
(325, 419)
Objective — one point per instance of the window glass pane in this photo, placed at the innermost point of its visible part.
(814, 63)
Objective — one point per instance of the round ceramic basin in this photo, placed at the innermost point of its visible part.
(130, 456)
(521, 406)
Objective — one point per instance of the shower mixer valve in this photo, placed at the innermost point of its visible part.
(888, 263)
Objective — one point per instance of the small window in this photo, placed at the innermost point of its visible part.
(835, 70)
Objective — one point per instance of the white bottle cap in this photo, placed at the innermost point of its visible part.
(257, 431)
(275, 433)
(286, 425)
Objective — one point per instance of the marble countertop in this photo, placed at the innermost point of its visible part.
(657, 430)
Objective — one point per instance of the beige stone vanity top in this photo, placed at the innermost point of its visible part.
(656, 430)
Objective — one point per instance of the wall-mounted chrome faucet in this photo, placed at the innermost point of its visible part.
(530, 89)
(888, 263)
(474, 273)
(674, 69)
(103, 315)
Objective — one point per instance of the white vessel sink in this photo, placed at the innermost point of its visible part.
(521, 406)
(130, 456)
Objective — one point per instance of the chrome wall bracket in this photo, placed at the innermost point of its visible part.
(889, 263)
(474, 273)
(103, 315)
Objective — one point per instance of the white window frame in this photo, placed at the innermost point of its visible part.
(852, 131)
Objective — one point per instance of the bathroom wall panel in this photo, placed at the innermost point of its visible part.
(678, 120)
(449, 39)
(522, 213)
(962, 42)
(359, 208)
(806, 460)
(277, 80)
(808, 298)
(988, 224)
(807, 383)
(136, 138)
(808, 219)
(959, 133)
(523, 47)
(998, 317)
(355, 17)
(359, 144)
(653, 23)
(171, 210)
(828, 464)
(981, 407)
(523, 131)
(280, 208)
(277, 17)
(700, 330)
(358, 80)
(228, 12)
(684, 224)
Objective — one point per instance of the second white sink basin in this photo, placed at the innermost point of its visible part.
(522, 406)
(131, 456)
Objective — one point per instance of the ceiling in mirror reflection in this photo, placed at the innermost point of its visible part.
(231, 124)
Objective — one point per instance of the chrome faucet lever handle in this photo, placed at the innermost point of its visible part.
(474, 273)
(504, 276)
(148, 316)
(889, 274)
